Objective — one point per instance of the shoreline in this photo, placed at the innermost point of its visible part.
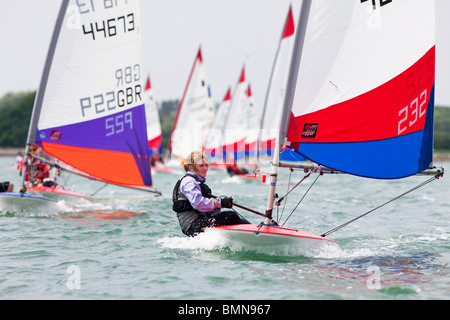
(441, 157)
(12, 152)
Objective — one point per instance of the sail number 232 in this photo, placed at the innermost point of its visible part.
(412, 112)
(118, 123)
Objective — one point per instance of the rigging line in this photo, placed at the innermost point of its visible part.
(303, 196)
(101, 188)
(282, 198)
(382, 205)
(284, 205)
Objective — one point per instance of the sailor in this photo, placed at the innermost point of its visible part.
(232, 167)
(6, 186)
(193, 203)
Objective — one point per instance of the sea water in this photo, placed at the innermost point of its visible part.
(128, 244)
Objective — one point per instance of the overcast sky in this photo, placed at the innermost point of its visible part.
(231, 33)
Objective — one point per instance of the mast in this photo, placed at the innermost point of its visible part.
(288, 100)
(41, 91)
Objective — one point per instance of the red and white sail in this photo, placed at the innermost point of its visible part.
(213, 145)
(195, 113)
(154, 132)
(236, 125)
(253, 126)
(277, 88)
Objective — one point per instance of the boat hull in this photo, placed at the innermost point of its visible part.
(57, 193)
(268, 235)
(24, 201)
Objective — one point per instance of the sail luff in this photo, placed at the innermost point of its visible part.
(288, 100)
(294, 68)
(42, 86)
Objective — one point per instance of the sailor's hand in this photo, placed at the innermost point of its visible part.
(226, 202)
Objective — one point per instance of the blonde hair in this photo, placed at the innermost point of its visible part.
(194, 158)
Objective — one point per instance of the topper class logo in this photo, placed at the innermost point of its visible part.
(310, 130)
(374, 3)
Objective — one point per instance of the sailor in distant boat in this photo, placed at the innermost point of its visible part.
(37, 171)
(232, 167)
(234, 170)
(6, 186)
(192, 200)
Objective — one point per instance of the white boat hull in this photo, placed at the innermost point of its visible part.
(20, 202)
(252, 236)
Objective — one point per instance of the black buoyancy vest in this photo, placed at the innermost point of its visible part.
(180, 202)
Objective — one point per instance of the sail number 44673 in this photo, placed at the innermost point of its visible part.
(411, 113)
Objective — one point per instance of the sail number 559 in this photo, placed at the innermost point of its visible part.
(118, 123)
(412, 112)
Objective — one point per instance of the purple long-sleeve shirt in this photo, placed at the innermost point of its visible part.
(191, 189)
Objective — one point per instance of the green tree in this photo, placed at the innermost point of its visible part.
(15, 114)
(442, 129)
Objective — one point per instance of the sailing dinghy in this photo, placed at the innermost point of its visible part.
(359, 100)
(89, 111)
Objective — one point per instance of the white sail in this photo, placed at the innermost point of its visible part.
(253, 126)
(89, 108)
(154, 132)
(213, 145)
(236, 123)
(195, 113)
(277, 88)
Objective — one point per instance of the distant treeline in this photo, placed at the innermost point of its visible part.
(16, 108)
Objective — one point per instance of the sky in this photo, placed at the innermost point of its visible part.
(231, 33)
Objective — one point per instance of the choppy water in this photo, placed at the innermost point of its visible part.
(133, 248)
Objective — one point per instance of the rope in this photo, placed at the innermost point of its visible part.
(285, 196)
(304, 195)
(382, 205)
